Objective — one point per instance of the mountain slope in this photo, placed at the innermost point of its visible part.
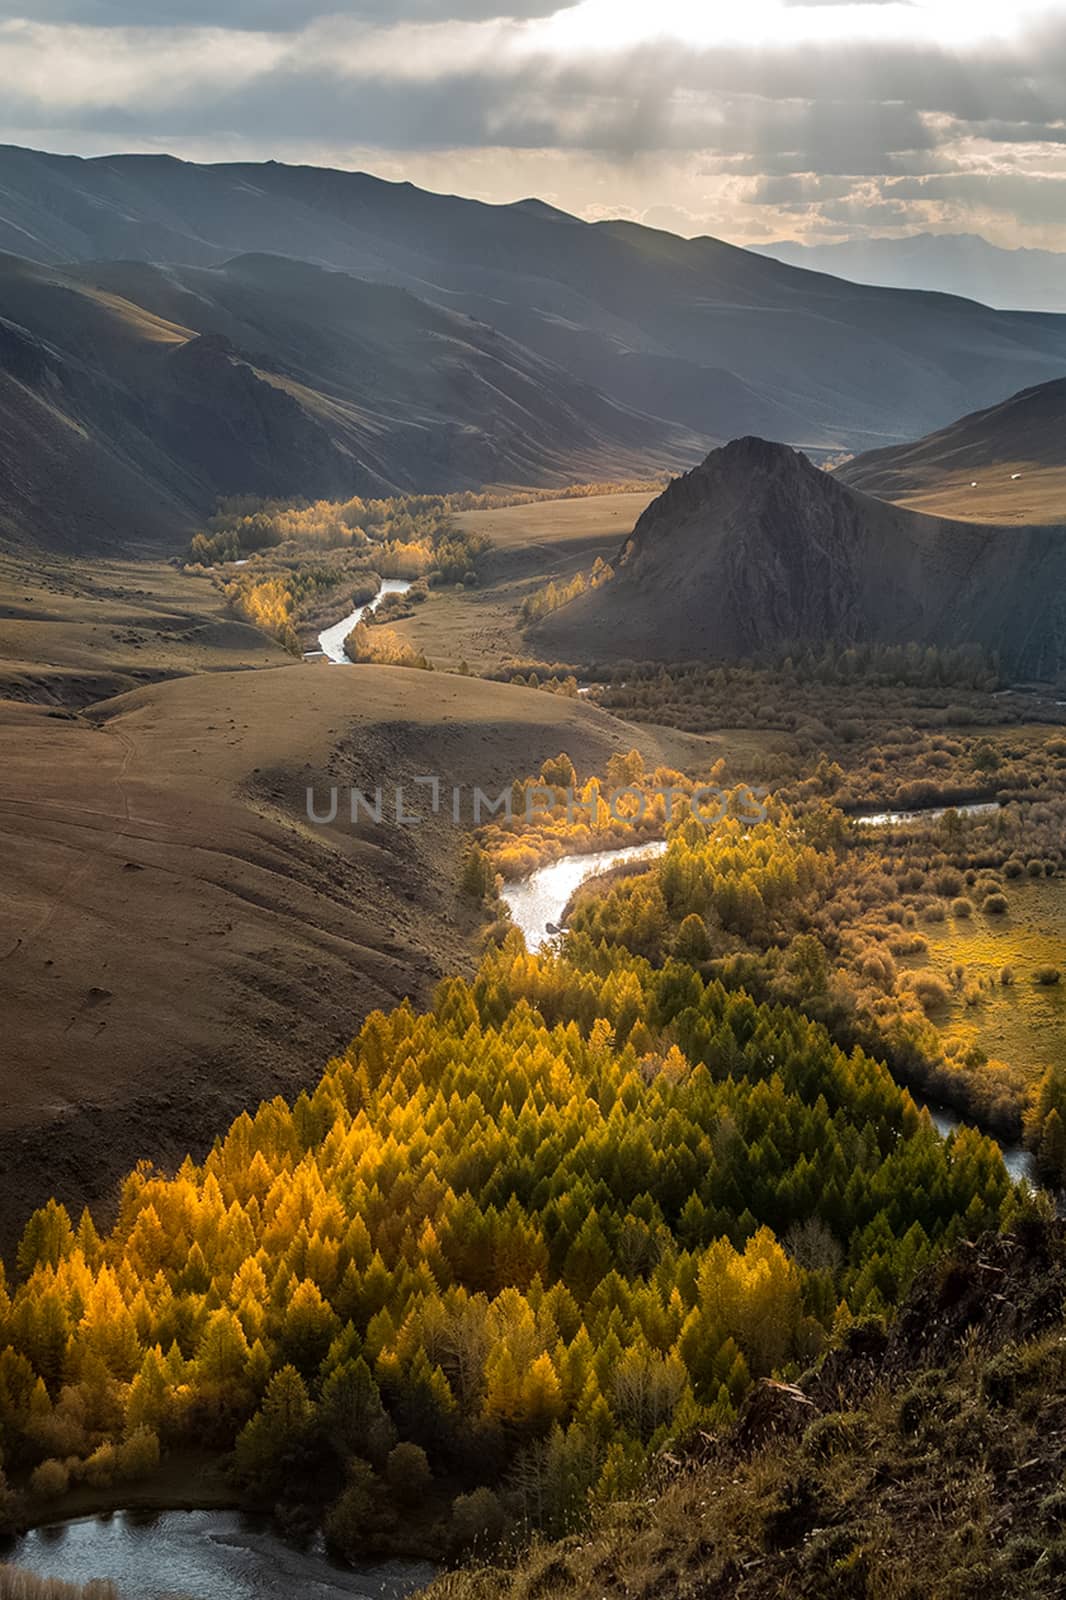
(708, 336)
(133, 397)
(952, 263)
(757, 549)
(1004, 464)
(867, 1480)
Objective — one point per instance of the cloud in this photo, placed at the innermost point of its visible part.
(744, 128)
(263, 16)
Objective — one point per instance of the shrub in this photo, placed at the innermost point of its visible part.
(101, 1467)
(995, 905)
(138, 1456)
(930, 990)
(408, 1474)
(838, 1430)
(50, 1480)
(478, 1520)
(1046, 975)
(961, 908)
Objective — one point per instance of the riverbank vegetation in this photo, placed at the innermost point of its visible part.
(523, 1238)
(930, 943)
(306, 558)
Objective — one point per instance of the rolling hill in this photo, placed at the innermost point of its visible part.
(1006, 464)
(757, 550)
(133, 397)
(705, 337)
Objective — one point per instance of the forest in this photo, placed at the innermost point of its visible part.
(502, 1252)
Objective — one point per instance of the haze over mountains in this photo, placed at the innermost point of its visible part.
(949, 263)
(529, 346)
(757, 550)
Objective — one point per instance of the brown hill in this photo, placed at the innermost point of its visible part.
(1006, 464)
(757, 550)
(133, 397)
(179, 942)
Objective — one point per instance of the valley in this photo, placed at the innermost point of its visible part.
(532, 794)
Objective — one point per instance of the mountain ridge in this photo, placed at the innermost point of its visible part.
(133, 397)
(623, 308)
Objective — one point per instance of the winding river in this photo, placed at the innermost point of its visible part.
(540, 900)
(331, 640)
(204, 1555)
(537, 903)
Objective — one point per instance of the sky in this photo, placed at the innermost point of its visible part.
(748, 119)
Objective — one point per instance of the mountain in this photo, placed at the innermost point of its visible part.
(949, 263)
(1004, 464)
(132, 397)
(758, 549)
(703, 336)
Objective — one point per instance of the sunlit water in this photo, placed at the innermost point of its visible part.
(203, 1555)
(892, 819)
(331, 640)
(542, 898)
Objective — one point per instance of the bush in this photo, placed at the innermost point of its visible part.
(50, 1480)
(101, 1467)
(995, 905)
(1046, 976)
(930, 990)
(839, 1430)
(138, 1456)
(478, 1521)
(408, 1474)
(961, 908)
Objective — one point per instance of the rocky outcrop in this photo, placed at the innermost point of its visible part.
(757, 551)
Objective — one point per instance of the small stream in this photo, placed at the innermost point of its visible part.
(331, 640)
(203, 1555)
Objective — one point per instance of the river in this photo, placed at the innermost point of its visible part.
(331, 640)
(891, 819)
(203, 1555)
(540, 899)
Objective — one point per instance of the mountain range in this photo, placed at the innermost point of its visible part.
(949, 263)
(758, 550)
(171, 333)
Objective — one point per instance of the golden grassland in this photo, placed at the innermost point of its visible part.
(1021, 1020)
(1036, 496)
(532, 545)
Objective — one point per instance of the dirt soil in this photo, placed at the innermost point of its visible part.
(177, 941)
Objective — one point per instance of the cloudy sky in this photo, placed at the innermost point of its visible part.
(749, 119)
